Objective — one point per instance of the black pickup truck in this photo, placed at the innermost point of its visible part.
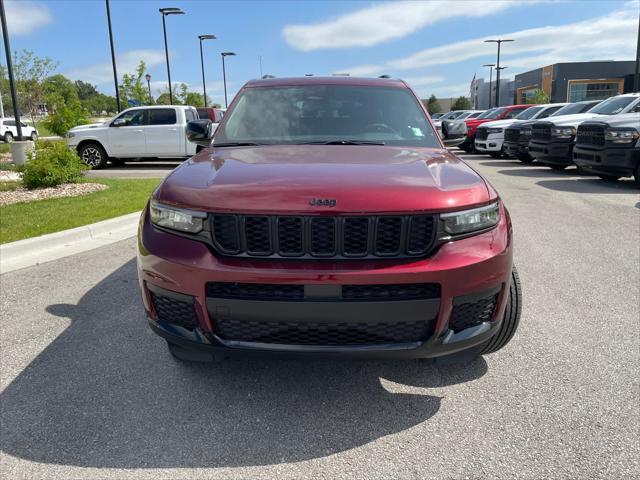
(610, 147)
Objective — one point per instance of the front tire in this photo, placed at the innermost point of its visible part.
(557, 168)
(526, 158)
(93, 154)
(8, 137)
(34, 137)
(496, 154)
(609, 178)
(511, 317)
(636, 175)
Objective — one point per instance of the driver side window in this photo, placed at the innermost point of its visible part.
(132, 118)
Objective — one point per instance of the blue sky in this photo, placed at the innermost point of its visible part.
(437, 46)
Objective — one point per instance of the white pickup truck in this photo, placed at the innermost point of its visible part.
(139, 132)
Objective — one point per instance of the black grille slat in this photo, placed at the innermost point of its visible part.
(512, 135)
(401, 291)
(225, 228)
(421, 232)
(257, 235)
(174, 311)
(356, 236)
(290, 236)
(322, 333)
(591, 135)
(482, 134)
(255, 291)
(388, 235)
(474, 313)
(324, 236)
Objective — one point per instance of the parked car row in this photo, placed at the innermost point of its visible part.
(600, 137)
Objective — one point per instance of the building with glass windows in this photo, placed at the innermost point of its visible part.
(576, 81)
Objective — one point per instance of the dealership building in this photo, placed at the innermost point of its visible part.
(563, 82)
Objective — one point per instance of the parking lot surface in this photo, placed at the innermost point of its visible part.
(89, 392)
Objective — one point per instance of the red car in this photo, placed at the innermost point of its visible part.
(499, 113)
(327, 217)
(213, 114)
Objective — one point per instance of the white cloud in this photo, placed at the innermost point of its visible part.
(608, 37)
(127, 62)
(24, 17)
(388, 21)
(425, 81)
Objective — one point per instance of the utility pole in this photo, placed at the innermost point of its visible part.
(113, 57)
(499, 42)
(12, 83)
(636, 78)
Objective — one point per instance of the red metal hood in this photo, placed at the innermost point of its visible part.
(284, 179)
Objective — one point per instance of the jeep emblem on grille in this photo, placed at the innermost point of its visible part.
(322, 202)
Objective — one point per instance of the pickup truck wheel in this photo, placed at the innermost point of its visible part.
(8, 137)
(609, 178)
(511, 317)
(34, 136)
(496, 154)
(636, 175)
(525, 158)
(93, 155)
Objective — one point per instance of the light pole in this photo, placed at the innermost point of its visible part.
(490, 65)
(164, 12)
(499, 42)
(204, 85)
(636, 76)
(224, 76)
(113, 57)
(148, 78)
(12, 83)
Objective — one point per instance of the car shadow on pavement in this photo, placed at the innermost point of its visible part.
(540, 172)
(590, 185)
(107, 394)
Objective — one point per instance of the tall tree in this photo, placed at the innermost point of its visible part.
(539, 97)
(86, 90)
(432, 105)
(461, 103)
(30, 73)
(132, 87)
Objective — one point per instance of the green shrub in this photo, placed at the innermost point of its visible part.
(52, 164)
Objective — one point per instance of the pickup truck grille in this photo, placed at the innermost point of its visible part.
(482, 133)
(512, 135)
(541, 133)
(592, 135)
(388, 236)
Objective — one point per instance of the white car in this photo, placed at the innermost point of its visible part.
(9, 130)
(138, 132)
(490, 136)
(455, 115)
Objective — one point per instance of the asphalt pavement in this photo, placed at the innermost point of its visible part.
(89, 392)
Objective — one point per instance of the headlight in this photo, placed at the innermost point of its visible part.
(619, 135)
(70, 134)
(472, 220)
(495, 130)
(176, 218)
(563, 132)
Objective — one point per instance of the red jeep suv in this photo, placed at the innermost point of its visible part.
(326, 216)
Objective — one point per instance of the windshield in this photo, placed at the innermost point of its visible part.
(327, 114)
(613, 105)
(495, 113)
(574, 108)
(528, 113)
(486, 113)
(475, 115)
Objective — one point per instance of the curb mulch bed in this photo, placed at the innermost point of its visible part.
(65, 190)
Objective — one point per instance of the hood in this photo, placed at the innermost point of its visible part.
(285, 178)
(88, 126)
(620, 120)
(500, 123)
(572, 120)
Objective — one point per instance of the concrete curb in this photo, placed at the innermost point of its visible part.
(45, 248)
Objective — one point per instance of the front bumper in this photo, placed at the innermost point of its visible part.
(467, 269)
(515, 149)
(552, 153)
(490, 144)
(608, 161)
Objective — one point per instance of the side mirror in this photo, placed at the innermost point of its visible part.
(119, 122)
(454, 132)
(200, 132)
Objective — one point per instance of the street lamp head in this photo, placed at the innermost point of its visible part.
(489, 65)
(501, 68)
(227, 54)
(499, 40)
(148, 77)
(207, 37)
(171, 11)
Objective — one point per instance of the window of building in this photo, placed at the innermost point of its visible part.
(593, 90)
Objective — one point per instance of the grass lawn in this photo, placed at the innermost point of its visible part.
(24, 220)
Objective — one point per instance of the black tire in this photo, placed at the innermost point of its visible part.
(511, 317)
(609, 178)
(466, 147)
(557, 168)
(636, 175)
(34, 137)
(93, 154)
(496, 154)
(8, 137)
(526, 158)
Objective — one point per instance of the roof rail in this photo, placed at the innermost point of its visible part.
(264, 77)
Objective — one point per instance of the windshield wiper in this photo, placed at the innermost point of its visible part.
(344, 142)
(236, 144)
